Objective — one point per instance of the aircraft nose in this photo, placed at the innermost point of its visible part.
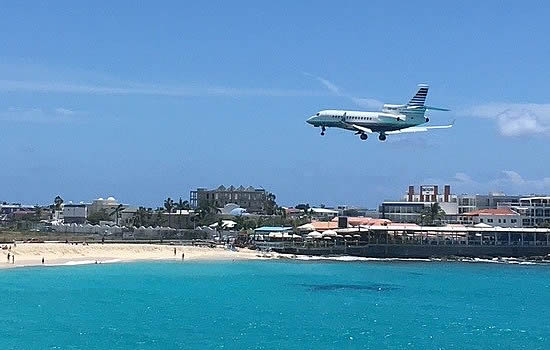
(310, 119)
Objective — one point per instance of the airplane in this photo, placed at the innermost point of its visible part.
(393, 119)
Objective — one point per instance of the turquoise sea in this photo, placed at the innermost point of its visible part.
(276, 305)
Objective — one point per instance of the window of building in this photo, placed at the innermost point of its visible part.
(489, 220)
(513, 221)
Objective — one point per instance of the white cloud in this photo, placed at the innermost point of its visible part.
(145, 89)
(513, 179)
(64, 111)
(463, 178)
(516, 119)
(38, 115)
(507, 181)
(336, 90)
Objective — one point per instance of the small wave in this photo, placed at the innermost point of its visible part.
(349, 258)
(79, 262)
(112, 261)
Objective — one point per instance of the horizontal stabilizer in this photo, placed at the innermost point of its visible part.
(437, 109)
(419, 129)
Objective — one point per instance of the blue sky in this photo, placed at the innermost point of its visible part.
(144, 101)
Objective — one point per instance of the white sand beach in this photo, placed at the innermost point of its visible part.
(31, 254)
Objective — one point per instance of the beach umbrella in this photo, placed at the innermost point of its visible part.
(327, 238)
(315, 235)
(330, 233)
(348, 236)
(306, 227)
(357, 236)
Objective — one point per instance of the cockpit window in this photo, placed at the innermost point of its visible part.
(317, 114)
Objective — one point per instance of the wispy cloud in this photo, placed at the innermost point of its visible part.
(507, 181)
(39, 115)
(336, 90)
(515, 119)
(146, 89)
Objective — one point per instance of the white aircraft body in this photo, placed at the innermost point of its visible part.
(393, 119)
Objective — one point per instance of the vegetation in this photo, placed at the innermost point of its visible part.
(98, 216)
(116, 212)
(432, 215)
(169, 206)
(270, 204)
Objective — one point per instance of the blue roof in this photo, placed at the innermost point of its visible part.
(273, 229)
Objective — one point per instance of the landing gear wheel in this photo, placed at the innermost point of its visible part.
(364, 136)
(382, 137)
(323, 129)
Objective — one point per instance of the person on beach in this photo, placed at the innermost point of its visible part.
(13, 258)
(42, 260)
(174, 251)
(9, 257)
(182, 256)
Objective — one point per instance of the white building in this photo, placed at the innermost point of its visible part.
(100, 204)
(323, 213)
(75, 213)
(501, 217)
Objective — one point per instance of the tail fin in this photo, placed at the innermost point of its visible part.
(420, 97)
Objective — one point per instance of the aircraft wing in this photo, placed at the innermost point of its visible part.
(418, 129)
(361, 128)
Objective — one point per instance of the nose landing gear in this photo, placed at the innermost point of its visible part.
(323, 129)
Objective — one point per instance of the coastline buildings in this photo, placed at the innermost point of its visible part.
(250, 198)
(412, 205)
(494, 209)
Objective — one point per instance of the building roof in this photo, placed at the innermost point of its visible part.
(323, 211)
(496, 212)
(324, 225)
(360, 220)
(272, 229)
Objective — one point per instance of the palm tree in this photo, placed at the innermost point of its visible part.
(116, 213)
(432, 214)
(181, 205)
(57, 203)
(169, 205)
(141, 215)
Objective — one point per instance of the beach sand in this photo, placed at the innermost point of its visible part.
(31, 254)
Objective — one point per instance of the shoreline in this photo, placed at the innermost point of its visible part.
(64, 254)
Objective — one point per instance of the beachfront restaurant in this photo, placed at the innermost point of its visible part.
(273, 233)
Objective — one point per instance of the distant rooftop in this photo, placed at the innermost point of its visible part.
(234, 189)
(499, 211)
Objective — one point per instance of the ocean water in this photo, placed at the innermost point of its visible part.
(276, 305)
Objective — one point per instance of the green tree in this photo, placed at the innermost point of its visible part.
(169, 206)
(140, 219)
(270, 204)
(181, 205)
(98, 216)
(432, 215)
(116, 212)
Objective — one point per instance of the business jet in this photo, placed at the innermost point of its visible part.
(393, 119)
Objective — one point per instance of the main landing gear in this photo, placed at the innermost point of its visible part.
(364, 136)
(382, 137)
(323, 129)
